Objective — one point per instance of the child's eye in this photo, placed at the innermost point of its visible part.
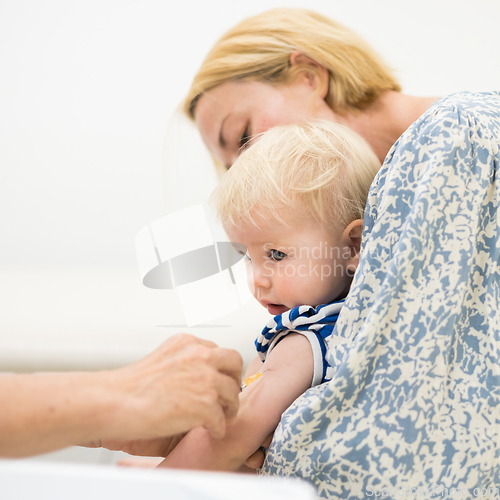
(277, 255)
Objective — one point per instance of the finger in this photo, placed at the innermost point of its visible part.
(217, 424)
(267, 442)
(204, 342)
(228, 396)
(255, 460)
(145, 463)
(186, 339)
(91, 444)
(229, 362)
(243, 469)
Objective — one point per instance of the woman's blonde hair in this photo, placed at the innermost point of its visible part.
(259, 48)
(324, 166)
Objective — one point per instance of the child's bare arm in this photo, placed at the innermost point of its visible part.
(253, 367)
(288, 373)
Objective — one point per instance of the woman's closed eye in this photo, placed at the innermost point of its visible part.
(277, 255)
(245, 138)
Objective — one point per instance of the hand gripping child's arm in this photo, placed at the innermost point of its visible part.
(287, 373)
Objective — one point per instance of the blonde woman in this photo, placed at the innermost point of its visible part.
(293, 205)
(289, 65)
(415, 403)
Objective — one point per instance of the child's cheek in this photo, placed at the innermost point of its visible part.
(250, 281)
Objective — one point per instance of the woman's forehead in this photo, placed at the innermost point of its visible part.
(232, 97)
(208, 118)
(217, 112)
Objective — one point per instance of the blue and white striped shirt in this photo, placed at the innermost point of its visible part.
(315, 323)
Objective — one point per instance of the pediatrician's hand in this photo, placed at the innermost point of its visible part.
(157, 447)
(187, 382)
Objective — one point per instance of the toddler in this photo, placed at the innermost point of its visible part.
(293, 202)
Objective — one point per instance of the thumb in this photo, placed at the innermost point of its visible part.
(217, 425)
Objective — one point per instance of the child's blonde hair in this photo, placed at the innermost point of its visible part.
(259, 48)
(324, 166)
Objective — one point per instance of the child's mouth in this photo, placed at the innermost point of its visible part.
(276, 309)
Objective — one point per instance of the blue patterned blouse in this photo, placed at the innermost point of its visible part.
(413, 410)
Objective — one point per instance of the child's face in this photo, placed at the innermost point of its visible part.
(298, 262)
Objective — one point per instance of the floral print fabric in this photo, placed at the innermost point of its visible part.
(415, 405)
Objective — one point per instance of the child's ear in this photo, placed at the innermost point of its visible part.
(351, 236)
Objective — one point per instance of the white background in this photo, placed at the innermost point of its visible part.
(90, 153)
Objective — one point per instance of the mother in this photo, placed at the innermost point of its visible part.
(416, 402)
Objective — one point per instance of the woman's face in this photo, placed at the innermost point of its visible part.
(228, 115)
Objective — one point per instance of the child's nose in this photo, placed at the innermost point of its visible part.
(259, 277)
